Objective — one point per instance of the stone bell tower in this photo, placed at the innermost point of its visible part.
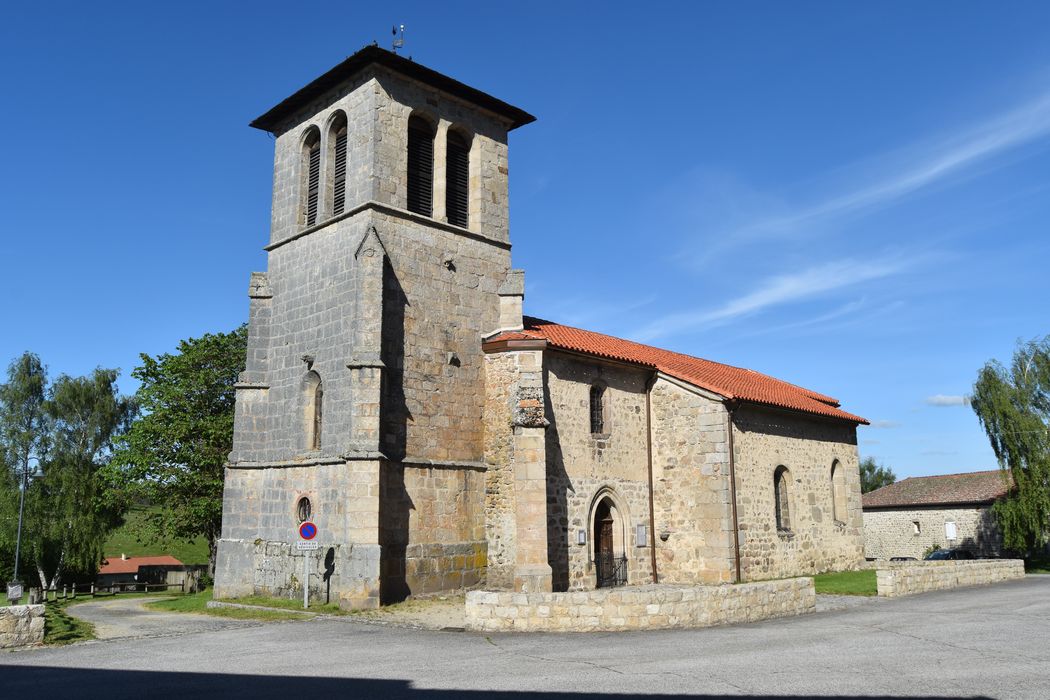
(360, 408)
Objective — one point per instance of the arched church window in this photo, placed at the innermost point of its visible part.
(457, 179)
(303, 510)
(838, 492)
(311, 176)
(782, 498)
(420, 166)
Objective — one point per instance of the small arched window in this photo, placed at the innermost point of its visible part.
(303, 510)
(782, 498)
(457, 179)
(337, 170)
(312, 415)
(597, 409)
(311, 180)
(420, 166)
(838, 492)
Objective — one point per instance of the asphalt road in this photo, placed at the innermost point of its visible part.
(989, 642)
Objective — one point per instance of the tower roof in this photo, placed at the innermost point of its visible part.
(370, 55)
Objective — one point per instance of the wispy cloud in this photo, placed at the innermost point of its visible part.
(945, 400)
(884, 181)
(885, 424)
(781, 289)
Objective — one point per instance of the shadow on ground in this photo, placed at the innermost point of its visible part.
(57, 682)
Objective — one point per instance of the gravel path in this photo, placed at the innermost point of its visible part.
(128, 618)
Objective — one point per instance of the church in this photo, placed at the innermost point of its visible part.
(396, 396)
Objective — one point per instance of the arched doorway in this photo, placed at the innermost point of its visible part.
(610, 563)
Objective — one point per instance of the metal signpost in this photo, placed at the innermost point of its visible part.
(307, 531)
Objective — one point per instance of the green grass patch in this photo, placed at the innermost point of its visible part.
(62, 628)
(847, 583)
(1037, 564)
(198, 603)
(130, 539)
(289, 604)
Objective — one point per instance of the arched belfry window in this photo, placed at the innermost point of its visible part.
(311, 176)
(313, 410)
(457, 179)
(337, 157)
(782, 498)
(598, 422)
(420, 166)
(838, 492)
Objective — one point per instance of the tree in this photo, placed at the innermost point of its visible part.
(68, 430)
(874, 476)
(1013, 406)
(175, 453)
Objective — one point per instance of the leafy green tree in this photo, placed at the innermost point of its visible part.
(1013, 405)
(73, 508)
(68, 431)
(874, 476)
(175, 453)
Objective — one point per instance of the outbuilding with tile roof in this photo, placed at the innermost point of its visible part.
(912, 516)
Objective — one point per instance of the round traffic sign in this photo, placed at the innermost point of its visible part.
(308, 530)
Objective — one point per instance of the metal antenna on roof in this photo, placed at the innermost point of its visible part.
(399, 41)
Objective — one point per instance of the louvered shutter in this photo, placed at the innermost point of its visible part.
(313, 184)
(457, 183)
(339, 182)
(420, 167)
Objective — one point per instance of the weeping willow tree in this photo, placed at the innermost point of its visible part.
(1013, 406)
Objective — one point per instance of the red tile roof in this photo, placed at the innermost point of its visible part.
(116, 565)
(946, 489)
(725, 380)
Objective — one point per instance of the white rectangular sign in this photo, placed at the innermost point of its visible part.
(306, 545)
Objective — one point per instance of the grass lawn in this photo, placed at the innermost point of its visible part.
(129, 539)
(62, 628)
(847, 583)
(198, 603)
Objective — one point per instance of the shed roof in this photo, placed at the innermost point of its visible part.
(725, 380)
(945, 489)
(117, 565)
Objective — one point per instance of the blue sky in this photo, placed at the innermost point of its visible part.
(852, 197)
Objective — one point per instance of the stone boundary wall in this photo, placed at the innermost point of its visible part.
(21, 625)
(908, 578)
(639, 607)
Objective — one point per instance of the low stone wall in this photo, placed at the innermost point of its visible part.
(907, 578)
(639, 607)
(21, 625)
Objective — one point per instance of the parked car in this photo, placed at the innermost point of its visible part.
(949, 555)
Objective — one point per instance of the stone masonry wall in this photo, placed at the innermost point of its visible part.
(911, 532)
(639, 608)
(501, 372)
(582, 467)
(431, 530)
(692, 504)
(908, 578)
(21, 625)
(807, 446)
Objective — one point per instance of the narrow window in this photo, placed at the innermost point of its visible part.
(916, 528)
(838, 492)
(420, 166)
(781, 497)
(313, 180)
(597, 410)
(457, 179)
(312, 410)
(339, 171)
